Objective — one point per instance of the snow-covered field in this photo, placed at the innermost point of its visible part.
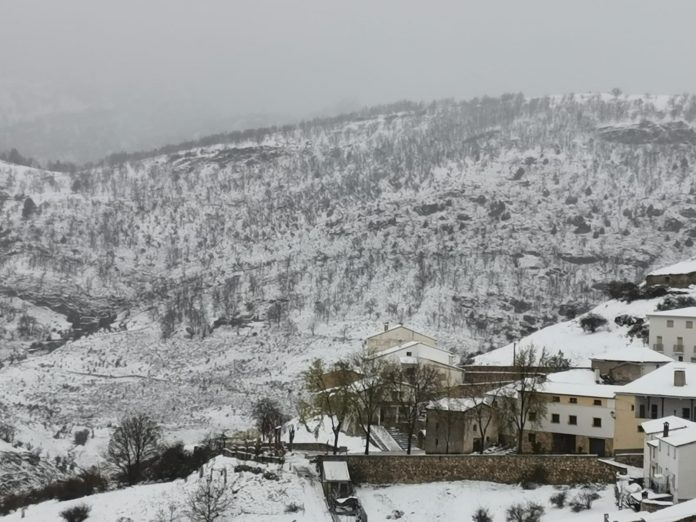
(448, 501)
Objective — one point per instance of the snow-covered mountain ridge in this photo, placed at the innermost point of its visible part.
(222, 269)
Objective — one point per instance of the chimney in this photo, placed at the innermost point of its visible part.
(679, 377)
(386, 326)
(665, 429)
(597, 377)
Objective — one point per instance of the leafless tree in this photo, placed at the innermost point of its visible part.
(133, 444)
(484, 400)
(268, 416)
(411, 387)
(520, 402)
(211, 498)
(369, 391)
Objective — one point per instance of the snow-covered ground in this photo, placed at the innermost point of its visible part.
(257, 499)
(448, 501)
(577, 344)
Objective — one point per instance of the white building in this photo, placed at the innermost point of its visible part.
(672, 463)
(415, 352)
(654, 428)
(672, 332)
(579, 415)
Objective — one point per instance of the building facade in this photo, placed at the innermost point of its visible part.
(396, 336)
(673, 333)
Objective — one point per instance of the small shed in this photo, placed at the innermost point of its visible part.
(336, 479)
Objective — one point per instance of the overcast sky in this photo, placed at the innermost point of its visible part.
(300, 57)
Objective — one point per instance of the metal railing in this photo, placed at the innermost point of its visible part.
(679, 348)
(658, 347)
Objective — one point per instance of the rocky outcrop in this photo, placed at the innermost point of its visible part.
(673, 132)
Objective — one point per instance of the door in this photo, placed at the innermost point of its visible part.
(597, 447)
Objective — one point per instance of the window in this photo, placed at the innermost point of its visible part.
(532, 416)
(670, 323)
(596, 422)
(408, 354)
(597, 402)
(685, 413)
(555, 399)
(573, 419)
(641, 411)
(555, 418)
(681, 358)
(573, 400)
(475, 427)
(689, 324)
(531, 437)
(653, 411)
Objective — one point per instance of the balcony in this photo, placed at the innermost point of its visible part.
(659, 347)
(679, 348)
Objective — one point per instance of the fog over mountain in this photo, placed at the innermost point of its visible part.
(80, 79)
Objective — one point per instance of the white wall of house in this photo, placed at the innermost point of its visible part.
(674, 335)
(419, 351)
(585, 415)
(677, 466)
(396, 336)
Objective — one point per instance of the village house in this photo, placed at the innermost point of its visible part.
(452, 425)
(672, 333)
(625, 365)
(669, 390)
(651, 430)
(579, 416)
(395, 336)
(414, 352)
(680, 275)
(672, 462)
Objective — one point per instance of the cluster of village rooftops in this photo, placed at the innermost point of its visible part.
(637, 399)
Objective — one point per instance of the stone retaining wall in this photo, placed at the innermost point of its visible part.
(506, 469)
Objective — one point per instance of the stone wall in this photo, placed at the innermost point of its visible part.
(506, 469)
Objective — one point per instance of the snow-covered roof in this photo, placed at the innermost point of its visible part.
(336, 471)
(683, 267)
(632, 354)
(405, 346)
(396, 327)
(680, 438)
(580, 382)
(689, 311)
(652, 443)
(675, 423)
(454, 404)
(660, 382)
(673, 513)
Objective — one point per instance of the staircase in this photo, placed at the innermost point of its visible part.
(383, 439)
(401, 439)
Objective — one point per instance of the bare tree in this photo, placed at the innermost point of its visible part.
(412, 386)
(483, 398)
(133, 445)
(268, 416)
(520, 402)
(331, 395)
(369, 391)
(211, 498)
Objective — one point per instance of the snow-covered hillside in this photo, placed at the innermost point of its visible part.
(190, 281)
(579, 345)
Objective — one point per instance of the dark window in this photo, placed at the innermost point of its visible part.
(653, 411)
(555, 418)
(555, 399)
(573, 400)
(597, 402)
(685, 413)
(596, 422)
(572, 419)
(436, 441)
(408, 354)
(532, 437)
(532, 416)
(641, 411)
(640, 429)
